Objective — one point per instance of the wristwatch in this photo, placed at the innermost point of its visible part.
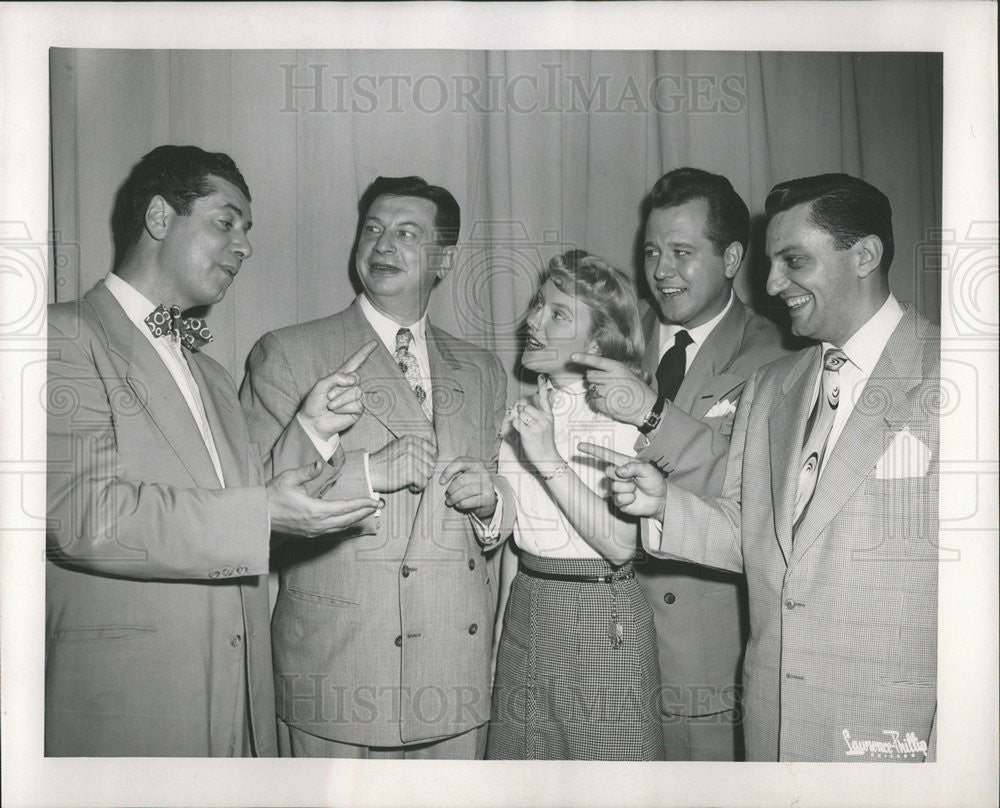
(653, 417)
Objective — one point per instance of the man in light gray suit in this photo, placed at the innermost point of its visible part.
(159, 513)
(830, 504)
(382, 638)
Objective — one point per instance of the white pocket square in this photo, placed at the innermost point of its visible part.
(906, 456)
(721, 408)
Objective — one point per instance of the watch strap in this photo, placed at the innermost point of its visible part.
(653, 418)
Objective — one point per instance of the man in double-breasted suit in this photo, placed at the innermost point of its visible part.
(158, 539)
(697, 228)
(382, 638)
(830, 499)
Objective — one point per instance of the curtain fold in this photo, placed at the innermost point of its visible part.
(543, 150)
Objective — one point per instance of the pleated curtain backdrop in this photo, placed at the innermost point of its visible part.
(543, 150)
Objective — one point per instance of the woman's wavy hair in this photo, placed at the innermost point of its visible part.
(611, 295)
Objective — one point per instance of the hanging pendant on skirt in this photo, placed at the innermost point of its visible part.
(615, 633)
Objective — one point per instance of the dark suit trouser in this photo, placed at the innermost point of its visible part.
(709, 737)
(293, 742)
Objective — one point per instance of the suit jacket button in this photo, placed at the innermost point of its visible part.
(236, 641)
(227, 571)
(405, 571)
(472, 563)
(473, 628)
(669, 598)
(213, 574)
(241, 570)
(789, 604)
(399, 641)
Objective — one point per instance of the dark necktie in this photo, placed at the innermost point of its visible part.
(670, 372)
(818, 430)
(408, 365)
(191, 331)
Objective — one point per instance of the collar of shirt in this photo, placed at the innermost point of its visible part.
(865, 346)
(698, 334)
(385, 327)
(136, 305)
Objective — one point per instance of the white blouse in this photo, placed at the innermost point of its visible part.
(541, 528)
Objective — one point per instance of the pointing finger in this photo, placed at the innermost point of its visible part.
(595, 361)
(358, 357)
(602, 453)
(543, 394)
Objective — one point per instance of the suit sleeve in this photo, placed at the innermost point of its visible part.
(104, 518)
(704, 529)
(692, 452)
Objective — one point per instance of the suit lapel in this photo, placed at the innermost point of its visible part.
(651, 333)
(883, 408)
(704, 382)
(387, 395)
(786, 427)
(220, 405)
(451, 402)
(154, 387)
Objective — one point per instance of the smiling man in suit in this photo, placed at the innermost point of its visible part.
(702, 344)
(382, 640)
(159, 519)
(830, 503)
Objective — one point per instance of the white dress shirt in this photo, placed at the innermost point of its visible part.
(541, 527)
(698, 334)
(863, 350)
(137, 308)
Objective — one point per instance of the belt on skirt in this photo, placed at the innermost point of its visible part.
(624, 574)
(616, 633)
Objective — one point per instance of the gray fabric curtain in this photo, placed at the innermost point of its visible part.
(543, 150)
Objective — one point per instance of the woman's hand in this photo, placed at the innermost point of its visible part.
(537, 430)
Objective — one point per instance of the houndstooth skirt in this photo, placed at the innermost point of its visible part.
(563, 690)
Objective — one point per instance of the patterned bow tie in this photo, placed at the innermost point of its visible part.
(191, 331)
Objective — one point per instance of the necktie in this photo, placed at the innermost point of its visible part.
(191, 331)
(408, 364)
(818, 429)
(670, 372)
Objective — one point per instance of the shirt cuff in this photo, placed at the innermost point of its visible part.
(325, 447)
(652, 535)
(489, 535)
(368, 476)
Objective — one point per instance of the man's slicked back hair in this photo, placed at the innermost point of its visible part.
(180, 174)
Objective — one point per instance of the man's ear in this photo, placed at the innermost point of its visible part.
(732, 257)
(158, 214)
(446, 260)
(868, 253)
